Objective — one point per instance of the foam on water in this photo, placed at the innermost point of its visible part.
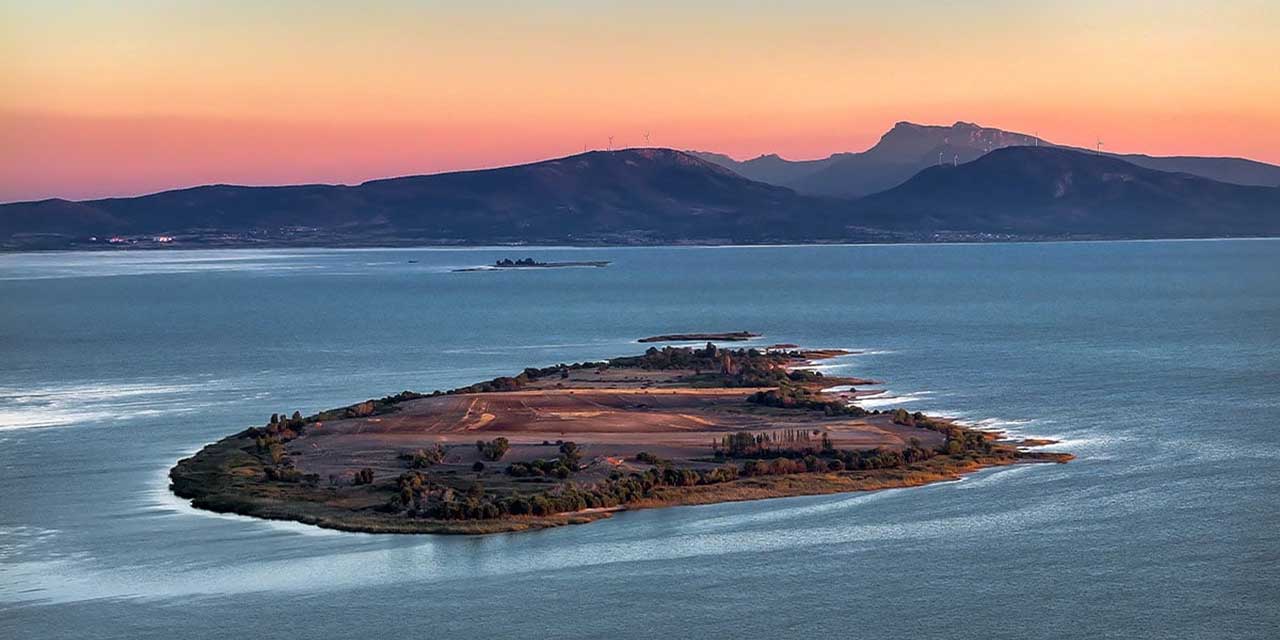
(56, 406)
(56, 265)
(887, 399)
(381, 559)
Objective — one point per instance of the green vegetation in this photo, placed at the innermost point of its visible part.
(560, 467)
(493, 450)
(423, 458)
(795, 397)
(712, 367)
(418, 497)
(517, 382)
(774, 453)
(269, 443)
(649, 458)
(367, 408)
(786, 452)
(522, 262)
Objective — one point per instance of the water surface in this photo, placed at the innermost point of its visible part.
(1155, 362)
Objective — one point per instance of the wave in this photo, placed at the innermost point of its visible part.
(135, 263)
(885, 399)
(66, 405)
(995, 475)
(16, 540)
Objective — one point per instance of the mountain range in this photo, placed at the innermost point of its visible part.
(1061, 192)
(909, 148)
(992, 188)
(634, 196)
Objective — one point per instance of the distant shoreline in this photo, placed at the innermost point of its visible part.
(411, 246)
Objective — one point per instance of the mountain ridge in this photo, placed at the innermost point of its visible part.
(625, 196)
(908, 147)
(664, 196)
(1031, 190)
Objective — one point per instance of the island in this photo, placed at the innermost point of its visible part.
(530, 263)
(574, 443)
(729, 336)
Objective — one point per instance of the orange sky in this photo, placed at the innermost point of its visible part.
(125, 97)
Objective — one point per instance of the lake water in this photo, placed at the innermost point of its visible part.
(1157, 363)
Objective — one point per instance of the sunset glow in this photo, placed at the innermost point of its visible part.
(126, 97)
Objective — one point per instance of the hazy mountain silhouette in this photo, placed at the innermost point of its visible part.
(908, 148)
(1057, 191)
(645, 196)
(634, 195)
(1233, 170)
(771, 168)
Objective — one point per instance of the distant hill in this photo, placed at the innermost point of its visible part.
(901, 153)
(1057, 191)
(771, 168)
(652, 196)
(628, 196)
(909, 148)
(1232, 170)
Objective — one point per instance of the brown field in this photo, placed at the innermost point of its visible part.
(674, 423)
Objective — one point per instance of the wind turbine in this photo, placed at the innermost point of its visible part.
(646, 138)
(611, 143)
(1098, 148)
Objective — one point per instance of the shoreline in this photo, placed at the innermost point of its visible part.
(831, 484)
(413, 246)
(609, 410)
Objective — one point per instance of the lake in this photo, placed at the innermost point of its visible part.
(1157, 363)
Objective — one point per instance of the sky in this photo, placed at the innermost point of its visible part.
(128, 96)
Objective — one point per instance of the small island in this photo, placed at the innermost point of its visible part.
(730, 336)
(573, 443)
(530, 263)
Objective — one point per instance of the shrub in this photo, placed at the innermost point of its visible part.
(570, 455)
(649, 458)
(493, 450)
(423, 458)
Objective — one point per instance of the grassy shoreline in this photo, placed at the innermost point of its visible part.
(217, 478)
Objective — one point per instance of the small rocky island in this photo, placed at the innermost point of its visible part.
(729, 336)
(573, 443)
(530, 263)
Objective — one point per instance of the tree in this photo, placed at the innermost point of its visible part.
(900, 416)
(493, 450)
(423, 458)
(570, 455)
